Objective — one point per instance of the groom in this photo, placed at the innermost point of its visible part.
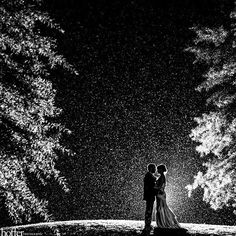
(149, 194)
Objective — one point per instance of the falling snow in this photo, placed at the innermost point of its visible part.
(132, 103)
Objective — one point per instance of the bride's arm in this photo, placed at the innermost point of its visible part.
(163, 184)
(160, 186)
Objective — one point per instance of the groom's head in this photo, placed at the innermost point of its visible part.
(151, 167)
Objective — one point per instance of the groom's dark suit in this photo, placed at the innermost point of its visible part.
(149, 197)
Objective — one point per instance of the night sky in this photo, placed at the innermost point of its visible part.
(132, 103)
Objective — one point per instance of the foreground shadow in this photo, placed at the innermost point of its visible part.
(174, 232)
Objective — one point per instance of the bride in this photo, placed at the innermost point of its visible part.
(165, 218)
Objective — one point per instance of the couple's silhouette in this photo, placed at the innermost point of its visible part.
(154, 189)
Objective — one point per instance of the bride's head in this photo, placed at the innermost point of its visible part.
(161, 169)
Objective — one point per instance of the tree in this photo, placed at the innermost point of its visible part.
(215, 132)
(30, 136)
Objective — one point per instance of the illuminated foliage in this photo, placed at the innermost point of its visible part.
(215, 132)
(29, 136)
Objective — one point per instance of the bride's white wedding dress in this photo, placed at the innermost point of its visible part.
(165, 218)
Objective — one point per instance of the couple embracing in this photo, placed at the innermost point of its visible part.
(154, 189)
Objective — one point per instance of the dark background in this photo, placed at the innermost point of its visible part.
(132, 103)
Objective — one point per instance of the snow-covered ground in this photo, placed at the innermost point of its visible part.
(113, 227)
